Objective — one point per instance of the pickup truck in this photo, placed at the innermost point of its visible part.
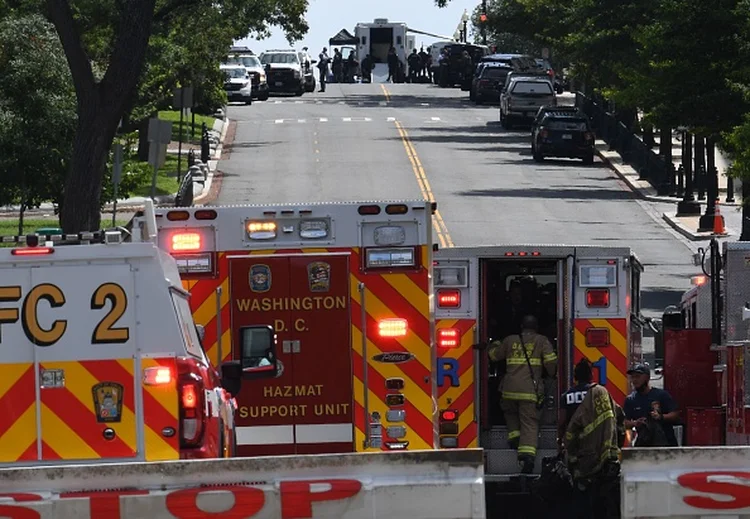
(522, 97)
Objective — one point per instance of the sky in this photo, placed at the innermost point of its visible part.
(327, 17)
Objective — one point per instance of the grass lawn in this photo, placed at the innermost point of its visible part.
(9, 226)
(166, 178)
(174, 117)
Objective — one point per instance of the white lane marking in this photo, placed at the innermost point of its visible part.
(265, 435)
(391, 119)
(279, 121)
(383, 103)
(435, 118)
(301, 120)
(324, 433)
(298, 102)
(277, 102)
(425, 104)
(318, 102)
(323, 120)
(347, 119)
(367, 119)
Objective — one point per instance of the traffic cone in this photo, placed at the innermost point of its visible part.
(718, 221)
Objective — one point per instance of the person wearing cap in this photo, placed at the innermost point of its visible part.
(650, 407)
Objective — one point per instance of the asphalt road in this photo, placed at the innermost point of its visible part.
(349, 144)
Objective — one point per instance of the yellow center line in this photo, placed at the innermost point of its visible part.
(424, 185)
(385, 92)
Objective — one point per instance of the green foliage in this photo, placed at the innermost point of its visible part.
(36, 124)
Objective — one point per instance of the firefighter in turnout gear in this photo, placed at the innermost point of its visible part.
(592, 441)
(528, 355)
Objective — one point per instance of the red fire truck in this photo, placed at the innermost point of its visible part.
(301, 279)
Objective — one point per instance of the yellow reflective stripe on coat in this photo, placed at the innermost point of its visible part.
(513, 361)
(550, 357)
(510, 395)
(596, 423)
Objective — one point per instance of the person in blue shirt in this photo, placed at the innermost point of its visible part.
(647, 408)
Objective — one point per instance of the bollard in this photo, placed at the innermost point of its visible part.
(205, 150)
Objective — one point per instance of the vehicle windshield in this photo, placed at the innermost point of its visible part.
(532, 88)
(249, 61)
(234, 73)
(280, 57)
(566, 124)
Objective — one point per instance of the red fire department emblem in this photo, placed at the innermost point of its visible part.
(108, 401)
(319, 276)
(260, 278)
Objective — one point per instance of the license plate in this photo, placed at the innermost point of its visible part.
(279, 83)
(567, 136)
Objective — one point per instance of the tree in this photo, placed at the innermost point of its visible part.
(36, 124)
(113, 36)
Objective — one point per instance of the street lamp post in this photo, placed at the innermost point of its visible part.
(688, 206)
(711, 180)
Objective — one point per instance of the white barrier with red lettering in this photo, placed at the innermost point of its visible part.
(686, 482)
(414, 485)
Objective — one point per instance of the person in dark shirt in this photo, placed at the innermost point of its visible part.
(650, 407)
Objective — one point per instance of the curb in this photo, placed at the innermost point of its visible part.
(688, 233)
(642, 191)
(204, 193)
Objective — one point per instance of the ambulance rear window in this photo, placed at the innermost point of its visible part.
(184, 318)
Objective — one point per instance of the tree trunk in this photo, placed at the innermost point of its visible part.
(21, 212)
(81, 210)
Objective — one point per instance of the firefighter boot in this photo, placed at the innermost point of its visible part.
(526, 463)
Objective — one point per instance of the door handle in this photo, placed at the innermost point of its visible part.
(290, 346)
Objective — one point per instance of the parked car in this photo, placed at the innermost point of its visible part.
(283, 71)
(486, 86)
(255, 69)
(522, 96)
(556, 78)
(564, 132)
(237, 84)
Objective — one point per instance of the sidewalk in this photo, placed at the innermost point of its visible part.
(201, 189)
(685, 225)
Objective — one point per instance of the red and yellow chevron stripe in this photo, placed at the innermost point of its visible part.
(161, 410)
(461, 397)
(615, 353)
(387, 295)
(69, 426)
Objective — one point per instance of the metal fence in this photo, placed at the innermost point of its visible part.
(184, 197)
(650, 166)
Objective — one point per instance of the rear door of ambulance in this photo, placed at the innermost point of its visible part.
(67, 347)
(307, 407)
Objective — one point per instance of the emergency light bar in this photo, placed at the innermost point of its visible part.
(32, 240)
(263, 230)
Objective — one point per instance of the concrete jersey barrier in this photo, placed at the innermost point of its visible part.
(686, 482)
(417, 484)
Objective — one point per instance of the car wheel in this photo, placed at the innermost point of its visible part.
(248, 100)
(472, 96)
(538, 157)
(588, 159)
(478, 100)
(263, 97)
(299, 92)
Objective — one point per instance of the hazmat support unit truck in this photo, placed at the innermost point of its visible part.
(366, 331)
(110, 408)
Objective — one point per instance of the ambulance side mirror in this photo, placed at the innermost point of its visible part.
(231, 377)
(258, 352)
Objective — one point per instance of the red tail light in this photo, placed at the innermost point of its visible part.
(449, 415)
(597, 298)
(449, 298)
(32, 251)
(448, 338)
(192, 412)
(544, 134)
(597, 337)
